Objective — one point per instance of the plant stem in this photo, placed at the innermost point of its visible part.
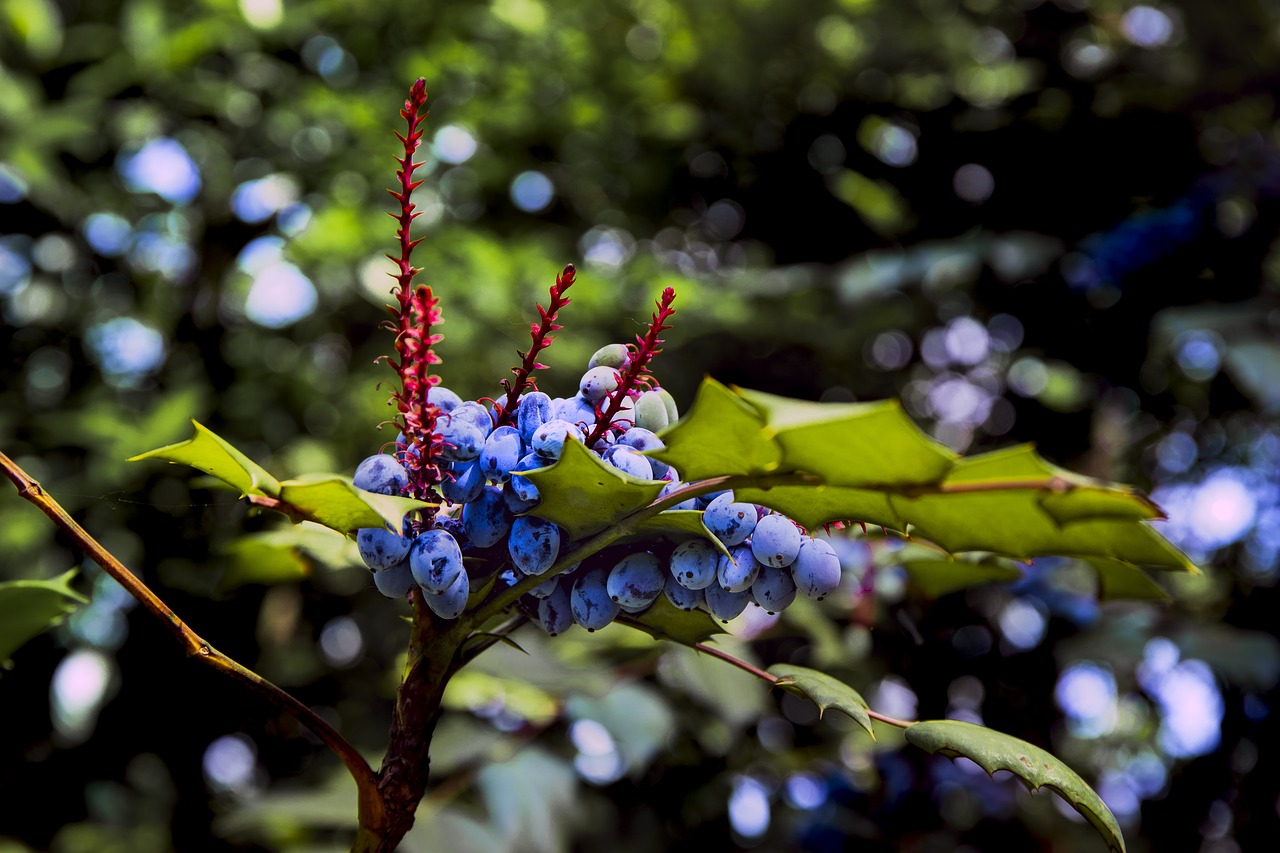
(773, 680)
(195, 646)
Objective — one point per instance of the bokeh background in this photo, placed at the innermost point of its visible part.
(1034, 221)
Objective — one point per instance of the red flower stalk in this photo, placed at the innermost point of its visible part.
(415, 313)
(636, 374)
(542, 338)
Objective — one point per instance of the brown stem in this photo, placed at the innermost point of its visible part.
(196, 647)
(773, 680)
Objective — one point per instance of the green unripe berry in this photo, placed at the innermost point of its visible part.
(651, 412)
(616, 356)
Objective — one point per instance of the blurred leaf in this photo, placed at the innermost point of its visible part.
(637, 716)
(530, 799)
(29, 607)
(584, 494)
(1037, 769)
(1254, 365)
(211, 454)
(263, 558)
(664, 621)
(1247, 659)
(878, 203)
(825, 692)
(935, 578)
(470, 690)
(38, 23)
(736, 698)
(449, 827)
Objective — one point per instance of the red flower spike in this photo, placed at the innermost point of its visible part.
(542, 338)
(416, 313)
(637, 373)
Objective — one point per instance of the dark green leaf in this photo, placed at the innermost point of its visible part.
(584, 494)
(825, 692)
(664, 621)
(29, 607)
(264, 558)
(1037, 769)
(211, 454)
(934, 578)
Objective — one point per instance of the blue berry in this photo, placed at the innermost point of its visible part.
(731, 522)
(503, 450)
(534, 544)
(548, 442)
(395, 582)
(636, 581)
(555, 613)
(534, 411)
(381, 474)
(693, 564)
(628, 461)
(775, 541)
(681, 596)
(738, 571)
(597, 382)
(462, 482)
(380, 548)
(773, 589)
(444, 399)
(589, 600)
(450, 603)
(436, 560)
(725, 605)
(486, 519)
(816, 570)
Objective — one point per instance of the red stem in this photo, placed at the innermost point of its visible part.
(542, 338)
(644, 349)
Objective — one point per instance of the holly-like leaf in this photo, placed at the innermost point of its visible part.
(210, 453)
(266, 558)
(934, 578)
(824, 691)
(664, 621)
(814, 506)
(680, 523)
(332, 500)
(851, 444)
(584, 494)
(721, 434)
(993, 751)
(29, 607)
(996, 502)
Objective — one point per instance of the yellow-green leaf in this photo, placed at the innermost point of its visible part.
(208, 452)
(29, 607)
(332, 500)
(993, 751)
(934, 578)
(1120, 580)
(664, 621)
(584, 494)
(825, 692)
(720, 434)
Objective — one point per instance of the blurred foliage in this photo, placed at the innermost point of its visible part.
(1050, 221)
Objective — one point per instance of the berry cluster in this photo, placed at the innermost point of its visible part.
(484, 498)
(770, 560)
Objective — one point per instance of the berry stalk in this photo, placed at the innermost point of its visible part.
(542, 338)
(636, 374)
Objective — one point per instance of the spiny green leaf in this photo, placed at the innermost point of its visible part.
(29, 607)
(851, 444)
(584, 494)
(332, 500)
(964, 515)
(1120, 580)
(934, 578)
(681, 522)
(814, 506)
(208, 452)
(721, 434)
(825, 692)
(664, 621)
(1037, 769)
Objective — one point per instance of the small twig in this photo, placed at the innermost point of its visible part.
(644, 349)
(773, 681)
(196, 647)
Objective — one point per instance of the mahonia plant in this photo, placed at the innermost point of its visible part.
(608, 505)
